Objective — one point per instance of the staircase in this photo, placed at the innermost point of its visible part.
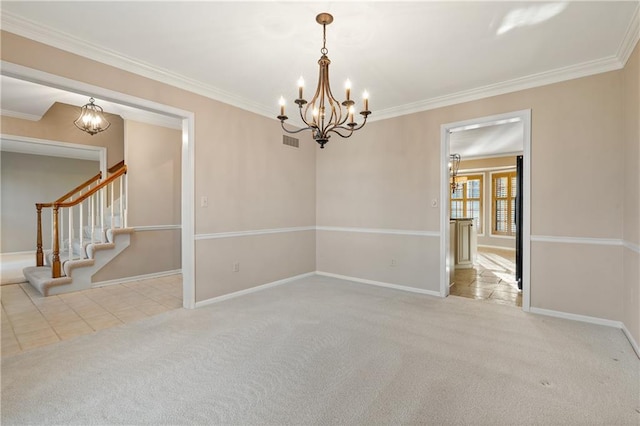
(91, 220)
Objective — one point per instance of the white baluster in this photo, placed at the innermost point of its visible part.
(121, 205)
(102, 200)
(70, 244)
(126, 199)
(81, 230)
(112, 206)
(92, 214)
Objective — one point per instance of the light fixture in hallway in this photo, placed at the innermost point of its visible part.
(324, 114)
(454, 165)
(91, 119)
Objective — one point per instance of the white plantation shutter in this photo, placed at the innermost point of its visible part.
(503, 201)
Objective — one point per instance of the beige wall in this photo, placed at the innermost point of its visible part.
(251, 179)
(485, 167)
(631, 186)
(384, 177)
(153, 157)
(27, 179)
(57, 125)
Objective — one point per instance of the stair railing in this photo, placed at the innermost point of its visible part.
(87, 201)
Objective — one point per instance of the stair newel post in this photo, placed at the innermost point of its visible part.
(70, 243)
(55, 267)
(39, 252)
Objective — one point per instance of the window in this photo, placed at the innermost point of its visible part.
(503, 203)
(467, 200)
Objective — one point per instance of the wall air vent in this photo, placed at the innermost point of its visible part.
(288, 140)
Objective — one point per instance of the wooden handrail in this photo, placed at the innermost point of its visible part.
(116, 175)
(116, 167)
(120, 169)
(79, 188)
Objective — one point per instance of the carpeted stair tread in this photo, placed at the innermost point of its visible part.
(40, 278)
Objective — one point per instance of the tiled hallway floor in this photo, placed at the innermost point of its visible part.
(492, 278)
(30, 320)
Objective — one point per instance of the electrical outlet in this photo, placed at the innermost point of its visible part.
(434, 202)
(204, 201)
(236, 266)
(393, 262)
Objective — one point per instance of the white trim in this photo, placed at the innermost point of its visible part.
(70, 43)
(591, 320)
(188, 152)
(631, 246)
(155, 228)
(525, 117)
(576, 317)
(633, 342)
(577, 240)
(100, 150)
(631, 38)
(584, 69)
(251, 290)
(252, 232)
(18, 253)
(379, 231)
(136, 278)
(20, 115)
(496, 247)
(486, 157)
(486, 169)
(61, 40)
(381, 284)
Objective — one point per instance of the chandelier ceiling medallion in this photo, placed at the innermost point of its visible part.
(324, 114)
(91, 119)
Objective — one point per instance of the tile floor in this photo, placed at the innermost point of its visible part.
(30, 320)
(491, 279)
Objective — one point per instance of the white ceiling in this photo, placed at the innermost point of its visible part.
(30, 101)
(490, 140)
(410, 56)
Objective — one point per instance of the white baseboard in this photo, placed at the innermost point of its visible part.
(15, 253)
(496, 247)
(136, 278)
(251, 290)
(592, 320)
(381, 284)
(633, 342)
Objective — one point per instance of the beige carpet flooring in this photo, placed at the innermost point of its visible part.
(326, 351)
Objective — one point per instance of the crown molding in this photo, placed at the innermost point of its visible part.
(584, 69)
(631, 38)
(21, 115)
(67, 42)
(17, 25)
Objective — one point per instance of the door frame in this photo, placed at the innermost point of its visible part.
(188, 154)
(445, 262)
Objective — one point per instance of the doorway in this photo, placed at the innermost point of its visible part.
(187, 158)
(502, 249)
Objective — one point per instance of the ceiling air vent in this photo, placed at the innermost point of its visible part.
(288, 140)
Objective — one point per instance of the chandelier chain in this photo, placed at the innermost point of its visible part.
(324, 49)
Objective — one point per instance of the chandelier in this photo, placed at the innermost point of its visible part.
(92, 119)
(324, 114)
(454, 165)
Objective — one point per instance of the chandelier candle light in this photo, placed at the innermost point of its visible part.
(327, 115)
(92, 119)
